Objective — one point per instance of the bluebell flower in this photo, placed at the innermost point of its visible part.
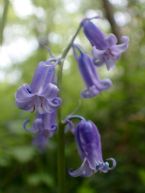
(42, 94)
(43, 128)
(89, 147)
(105, 48)
(88, 71)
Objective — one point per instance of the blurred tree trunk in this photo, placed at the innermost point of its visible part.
(109, 13)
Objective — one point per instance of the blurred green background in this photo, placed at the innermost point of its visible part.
(27, 27)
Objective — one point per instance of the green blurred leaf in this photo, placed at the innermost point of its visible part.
(142, 175)
(22, 154)
(39, 178)
(86, 189)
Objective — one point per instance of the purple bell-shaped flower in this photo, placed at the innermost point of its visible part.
(43, 128)
(88, 141)
(42, 94)
(88, 71)
(105, 48)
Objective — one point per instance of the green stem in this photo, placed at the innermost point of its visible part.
(3, 19)
(65, 52)
(61, 136)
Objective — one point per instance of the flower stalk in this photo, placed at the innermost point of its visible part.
(61, 136)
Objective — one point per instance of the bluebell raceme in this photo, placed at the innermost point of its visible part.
(41, 96)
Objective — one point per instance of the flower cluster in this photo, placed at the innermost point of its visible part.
(105, 50)
(42, 97)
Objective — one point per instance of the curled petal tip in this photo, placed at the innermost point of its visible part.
(90, 92)
(25, 124)
(53, 127)
(70, 117)
(125, 39)
(105, 166)
(113, 163)
(55, 102)
(106, 84)
(69, 124)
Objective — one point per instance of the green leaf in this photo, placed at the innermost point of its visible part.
(38, 178)
(22, 154)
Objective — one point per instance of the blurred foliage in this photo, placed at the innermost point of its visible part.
(119, 112)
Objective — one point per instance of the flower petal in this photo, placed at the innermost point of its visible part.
(97, 53)
(105, 84)
(50, 91)
(55, 102)
(44, 127)
(42, 105)
(111, 40)
(104, 166)
(98, 56)
(40, 141)
(43, 75)
(37, 125)
(90, 92)
(89, 74)
(110, 63)
(49, 120)
(118, 49)
(94, 35)
(97, 88)
(24, 98)
(84, 170)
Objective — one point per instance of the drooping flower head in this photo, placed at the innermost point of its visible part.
(88, 71)
(89, 147)
(42, 94)
(105, 48)
(43, 128)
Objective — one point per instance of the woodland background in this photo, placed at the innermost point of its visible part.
(26, 29)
